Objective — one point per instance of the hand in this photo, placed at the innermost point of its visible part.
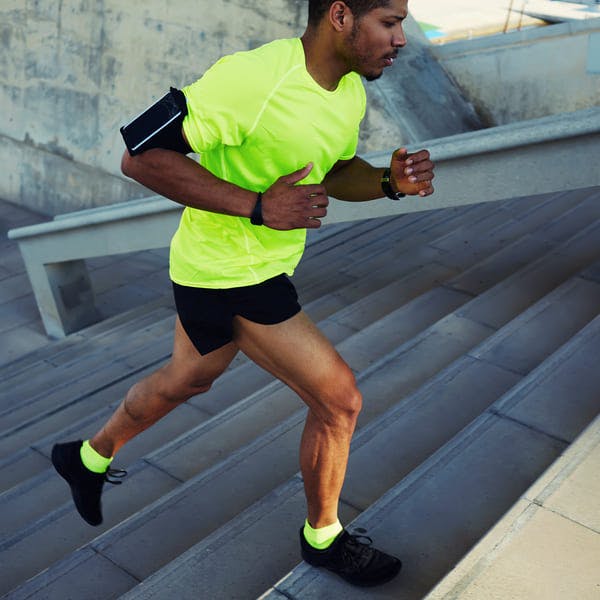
(288, 206)
(412, 173)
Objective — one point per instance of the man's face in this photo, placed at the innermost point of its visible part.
(375, 39)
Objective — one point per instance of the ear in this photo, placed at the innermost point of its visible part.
(340, 16)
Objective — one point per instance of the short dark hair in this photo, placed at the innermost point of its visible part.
(317, 8)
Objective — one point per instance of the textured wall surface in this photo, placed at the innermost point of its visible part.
(528, 74)
(73, 71)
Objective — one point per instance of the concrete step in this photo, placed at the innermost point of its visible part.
(350, 319)
(77, 379)
(537, 245)
(491, 230)
(243, 473)
(80, 408)
(217, 438)
(30, 458)
(557, 516)
(481, 468)
(39, 359)
(23, 385)
(457, 495)
(66, 377)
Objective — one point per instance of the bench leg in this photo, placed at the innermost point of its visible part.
(64, 296)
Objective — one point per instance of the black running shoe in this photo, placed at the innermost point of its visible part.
(354, 559)
(86, 486)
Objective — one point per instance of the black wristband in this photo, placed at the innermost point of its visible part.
(386, 186)
(256, 217)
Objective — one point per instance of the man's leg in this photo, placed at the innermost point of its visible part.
(296, 352)
(185, 375)
(85, 466)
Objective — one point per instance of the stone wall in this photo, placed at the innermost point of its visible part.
(528, 74)
(73, 71)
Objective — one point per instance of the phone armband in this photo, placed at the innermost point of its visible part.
(159, 126)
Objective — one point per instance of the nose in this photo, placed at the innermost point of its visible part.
(399, 39)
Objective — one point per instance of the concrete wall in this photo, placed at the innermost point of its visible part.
(528, 74)
(73, 71)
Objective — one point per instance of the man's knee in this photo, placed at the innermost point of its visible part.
(343, 403)
(352, 403)
(175, 387)
(179, 390)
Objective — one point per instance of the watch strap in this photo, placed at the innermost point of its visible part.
(386, 186)
(256, 218)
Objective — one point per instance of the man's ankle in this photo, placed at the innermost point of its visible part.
(322, 537)
(92, 459)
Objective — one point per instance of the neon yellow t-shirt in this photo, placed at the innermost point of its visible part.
(253, 117)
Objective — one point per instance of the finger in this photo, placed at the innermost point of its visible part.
(419, 156)
(426, 191)
(316, 212)
(421, 166)
(298, 175)
(312, 190)
(421, 177)
(400, 154)
(311, 223)
(314, 200)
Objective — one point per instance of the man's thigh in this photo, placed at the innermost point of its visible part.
(188, 368)
(296, 352)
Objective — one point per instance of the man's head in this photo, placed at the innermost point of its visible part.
(366, 34)
(318, 8)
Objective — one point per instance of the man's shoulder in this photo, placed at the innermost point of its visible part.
(274, 56)
(284, 48)
(254, 70)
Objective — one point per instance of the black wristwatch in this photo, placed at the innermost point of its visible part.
(386, 186)
(256, 217)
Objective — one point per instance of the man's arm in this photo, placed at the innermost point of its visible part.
(180, 178)
(356, 180)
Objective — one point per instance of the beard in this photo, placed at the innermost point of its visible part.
(360, 57)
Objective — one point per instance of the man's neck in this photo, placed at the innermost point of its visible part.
(323, 63)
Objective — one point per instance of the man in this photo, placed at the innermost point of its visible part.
(276, 130)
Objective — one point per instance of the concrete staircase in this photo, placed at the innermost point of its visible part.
(474, 333)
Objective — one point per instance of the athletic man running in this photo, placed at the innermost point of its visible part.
(276, 129)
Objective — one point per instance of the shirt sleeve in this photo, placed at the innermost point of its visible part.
(221, 109)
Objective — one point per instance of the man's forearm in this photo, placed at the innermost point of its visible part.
(183, 180)
(355, 181)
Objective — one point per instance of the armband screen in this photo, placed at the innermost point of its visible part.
(159, 126)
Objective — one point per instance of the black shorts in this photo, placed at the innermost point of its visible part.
(207, 314)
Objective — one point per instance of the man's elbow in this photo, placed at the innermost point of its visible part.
(133, 166)
(127, 164)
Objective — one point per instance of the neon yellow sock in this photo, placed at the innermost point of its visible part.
(324, 536)
(92, 460)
